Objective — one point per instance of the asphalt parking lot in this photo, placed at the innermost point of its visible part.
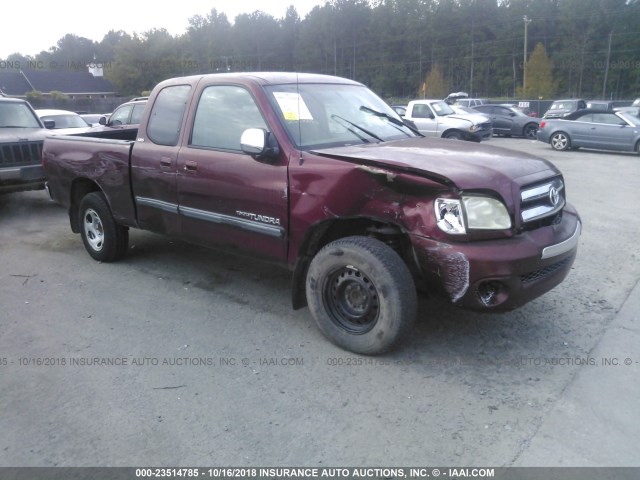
(183, 356)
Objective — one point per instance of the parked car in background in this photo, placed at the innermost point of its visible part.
(592, 129)
(400, 109)
(129, 113)
(62, 121)
(470, 111)
(524, 107)
(93, 119)
(471, 102)
(602, 106)
(435, 118)
(562, 108)
(21, 137)
(510, 121)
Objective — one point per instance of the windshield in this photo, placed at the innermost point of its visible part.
(328, 115)
(17, 115)
(66, 121)
(632, 119)
(562, 106)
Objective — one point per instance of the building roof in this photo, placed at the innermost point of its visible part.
(71, 83)
(13, 83)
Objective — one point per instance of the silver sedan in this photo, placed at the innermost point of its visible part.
(592, 129)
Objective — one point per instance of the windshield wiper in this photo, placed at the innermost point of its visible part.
(394, 121)
(371, 134)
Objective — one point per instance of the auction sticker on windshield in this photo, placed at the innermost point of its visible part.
(292, 106)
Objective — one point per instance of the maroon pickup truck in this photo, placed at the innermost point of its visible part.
(319, 174)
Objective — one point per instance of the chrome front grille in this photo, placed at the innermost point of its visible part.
(542, 200)
(19, 154)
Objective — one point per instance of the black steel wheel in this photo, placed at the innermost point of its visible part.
(361, 294)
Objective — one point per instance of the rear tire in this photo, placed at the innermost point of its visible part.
(104, 239)
(361, 295)
(560, 141)
(530, 131)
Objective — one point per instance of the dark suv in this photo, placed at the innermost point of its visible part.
(21, 137)
(562, 108)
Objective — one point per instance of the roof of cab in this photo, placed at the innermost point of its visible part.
(261, 78)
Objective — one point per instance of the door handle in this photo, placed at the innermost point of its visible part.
(191, 165)
(165, 162)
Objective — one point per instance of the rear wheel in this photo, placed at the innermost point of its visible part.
(560, 141)
(530, 131)
(361, 294)
(104, 239)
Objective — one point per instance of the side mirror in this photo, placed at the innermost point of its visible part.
(49, 124)
(512, 114)
(257, 142)
(102, 120)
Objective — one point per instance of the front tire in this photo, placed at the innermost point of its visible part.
(560, 141)
(361, 295)
(453, 135)
(104, 239)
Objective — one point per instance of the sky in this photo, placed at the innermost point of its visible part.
(30, 27)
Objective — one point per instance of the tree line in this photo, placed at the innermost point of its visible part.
(583, 48)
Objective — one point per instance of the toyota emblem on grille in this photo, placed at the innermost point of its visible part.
(554, 196)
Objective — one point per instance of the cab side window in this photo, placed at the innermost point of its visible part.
(422, 111)
(224, 112)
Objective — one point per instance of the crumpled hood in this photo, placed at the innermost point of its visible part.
(469, 117)
(468, 165)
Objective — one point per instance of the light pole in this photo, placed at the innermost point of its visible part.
(527, 21)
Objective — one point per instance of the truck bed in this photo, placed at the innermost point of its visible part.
(102, 158)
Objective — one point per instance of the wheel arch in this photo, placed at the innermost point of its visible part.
(448, 131)
(329, 230)
(79, 189)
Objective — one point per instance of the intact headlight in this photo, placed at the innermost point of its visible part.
(485, 213)
(474, 128)
(472, 212)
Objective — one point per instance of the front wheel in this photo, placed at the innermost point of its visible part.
(361, 294)
(560, 141)
(453, 135)
(104, 239)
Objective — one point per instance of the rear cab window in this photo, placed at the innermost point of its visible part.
(165, 120)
